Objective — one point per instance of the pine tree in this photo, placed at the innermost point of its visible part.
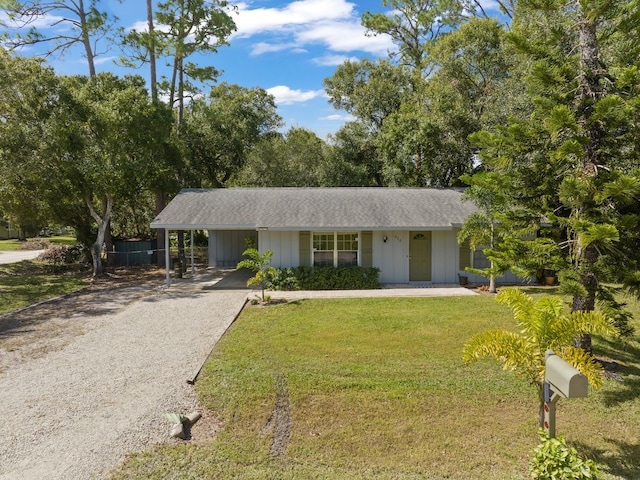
(571, 161)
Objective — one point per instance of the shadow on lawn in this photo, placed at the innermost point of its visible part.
(89, 302)
(624, 465)
(108, 295)
(625, 355)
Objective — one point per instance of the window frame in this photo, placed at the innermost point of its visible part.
(335, 242)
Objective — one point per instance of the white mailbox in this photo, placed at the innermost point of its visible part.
(561, 380)
(565, 380)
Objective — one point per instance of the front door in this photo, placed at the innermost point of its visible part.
(420, 257)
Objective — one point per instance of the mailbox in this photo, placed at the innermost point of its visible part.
(564, 379)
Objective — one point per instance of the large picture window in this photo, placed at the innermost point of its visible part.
(335, 249)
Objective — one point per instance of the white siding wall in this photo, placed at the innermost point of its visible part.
(285, 246)
(226, 246)
(445, 256)
(392, 256)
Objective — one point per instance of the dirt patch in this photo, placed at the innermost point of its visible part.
(279, 422)
(256, 302)
(205, 429)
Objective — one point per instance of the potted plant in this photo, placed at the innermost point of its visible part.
(549, 276)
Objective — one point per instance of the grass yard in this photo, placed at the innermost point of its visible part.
(375, 389)
(8, 245)
(13, 244)
(26, 283)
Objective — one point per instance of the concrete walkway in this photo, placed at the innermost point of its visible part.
(380, 293)
(237, 279)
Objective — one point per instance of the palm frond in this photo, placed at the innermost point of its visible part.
(585, 363)
(592, 322)
(512, 350)
(521, 303)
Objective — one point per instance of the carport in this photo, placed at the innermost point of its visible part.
(227, 226)
(224, 250)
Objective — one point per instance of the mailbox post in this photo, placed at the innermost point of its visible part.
(561, 380)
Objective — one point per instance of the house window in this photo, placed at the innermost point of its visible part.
(335, 249)
(479, 259)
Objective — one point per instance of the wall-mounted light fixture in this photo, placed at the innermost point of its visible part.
(384, 239)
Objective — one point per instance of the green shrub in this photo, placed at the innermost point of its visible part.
(325, 278)
(554, 460)
(284, 279)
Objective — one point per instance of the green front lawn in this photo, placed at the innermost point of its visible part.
(376, 389)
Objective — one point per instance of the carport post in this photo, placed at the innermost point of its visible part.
(193, 268)
(167, 260)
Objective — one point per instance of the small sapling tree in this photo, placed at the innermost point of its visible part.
(260, 264)
(543, 325)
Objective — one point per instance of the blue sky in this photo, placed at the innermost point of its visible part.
(286, 47)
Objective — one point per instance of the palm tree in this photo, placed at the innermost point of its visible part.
(258, 263)
(543, 324)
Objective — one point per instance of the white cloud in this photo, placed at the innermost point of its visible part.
(333, 24)
(302, 12)
(339, 118)
(263, 47)
(40, 22)
(103, 60)
(345, 37)
(139, 26)
(286, 96)
(490, 5)
(333, 60)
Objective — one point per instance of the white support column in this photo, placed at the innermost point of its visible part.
(193, 268)
(167, 259)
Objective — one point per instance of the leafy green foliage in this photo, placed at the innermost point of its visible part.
(542, 324)
(197, 26)
(219, 132)
(326, 278)
(294, 159)
(259, 263)
(489, 226)
(569, 159)
(554, 460)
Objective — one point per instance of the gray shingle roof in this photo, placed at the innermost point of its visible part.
(354, 208)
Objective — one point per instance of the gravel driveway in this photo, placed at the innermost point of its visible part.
(103, 377)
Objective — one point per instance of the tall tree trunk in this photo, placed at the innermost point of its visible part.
(161, 198)
(86, 41)
(102, 221)
(492, 281)
(152, 53)
(590, 90)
